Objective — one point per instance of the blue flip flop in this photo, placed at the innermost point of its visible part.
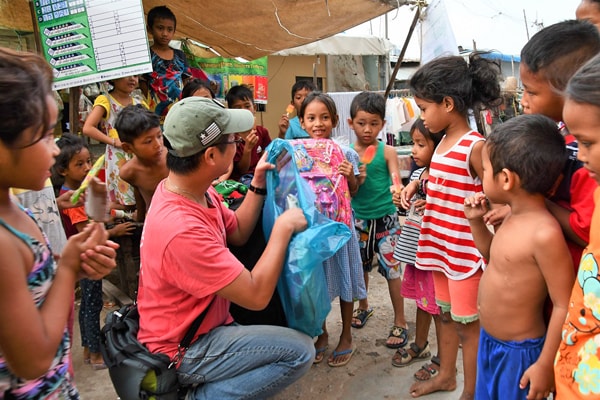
(320, 354)
(335, 354)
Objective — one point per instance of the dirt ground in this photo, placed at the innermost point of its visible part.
(369, 375)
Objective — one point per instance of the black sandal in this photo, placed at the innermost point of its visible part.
(398, 332)
(361, 315)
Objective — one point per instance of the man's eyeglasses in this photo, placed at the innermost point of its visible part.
(232, 141)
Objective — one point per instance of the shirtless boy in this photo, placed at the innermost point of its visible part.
(139, 131)
(528, 259)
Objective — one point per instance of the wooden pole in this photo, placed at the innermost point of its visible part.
(402, 52)
(526, 27)
(36, 29)
(74, 96)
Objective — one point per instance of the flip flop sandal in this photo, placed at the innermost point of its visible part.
(432, 369)
(400, 333)
(404, 357)
(335, 354)
(320, 354)
(361, 315)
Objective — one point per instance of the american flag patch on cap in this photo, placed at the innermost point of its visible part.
(210, 134)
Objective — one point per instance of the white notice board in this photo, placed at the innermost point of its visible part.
(87, 41)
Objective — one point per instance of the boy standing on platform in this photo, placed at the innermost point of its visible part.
(140, 134)
(170, 69)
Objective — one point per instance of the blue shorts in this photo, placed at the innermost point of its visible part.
(500, 366)
(379, 237)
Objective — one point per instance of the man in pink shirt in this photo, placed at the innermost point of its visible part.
(187, 267)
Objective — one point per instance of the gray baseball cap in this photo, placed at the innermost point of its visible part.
(196, 123)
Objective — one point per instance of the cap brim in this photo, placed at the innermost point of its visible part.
(239, 121)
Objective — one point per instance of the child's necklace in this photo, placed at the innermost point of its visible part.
(182, 192)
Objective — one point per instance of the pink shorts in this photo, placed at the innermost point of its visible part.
(458, 297)
(418, 286)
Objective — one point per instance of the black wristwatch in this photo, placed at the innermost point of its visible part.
(259, 191)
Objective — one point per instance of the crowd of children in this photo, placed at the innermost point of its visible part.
(498, 245)
(417, 284)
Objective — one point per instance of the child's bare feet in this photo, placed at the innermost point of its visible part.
(435, 384)
(86, 355)
(96, 361)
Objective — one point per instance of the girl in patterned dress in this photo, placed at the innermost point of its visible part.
(36, 291)
(343, 271)
(104, 114)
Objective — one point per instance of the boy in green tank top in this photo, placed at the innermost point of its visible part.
(376, 217)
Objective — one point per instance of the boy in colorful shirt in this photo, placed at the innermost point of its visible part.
(548, 60)
(577, 364)
(170, 69)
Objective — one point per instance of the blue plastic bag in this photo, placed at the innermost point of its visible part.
(302, 286)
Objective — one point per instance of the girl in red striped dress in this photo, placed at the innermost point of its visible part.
(445, 89)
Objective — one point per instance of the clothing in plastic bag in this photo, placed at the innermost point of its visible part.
(302, 285)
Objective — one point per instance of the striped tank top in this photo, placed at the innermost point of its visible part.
(446, 243)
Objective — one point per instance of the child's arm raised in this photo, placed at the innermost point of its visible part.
(391, 159)
(347, 170)
(475, 208)
(554, 261)
(496, 212)
(29, 336)
(283, 125)
(243, 164)
(90, 126)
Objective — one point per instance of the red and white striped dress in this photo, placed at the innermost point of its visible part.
(446, 243)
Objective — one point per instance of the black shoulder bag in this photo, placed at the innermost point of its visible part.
(135, 372)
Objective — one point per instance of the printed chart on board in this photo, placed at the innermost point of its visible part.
(88, 41)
